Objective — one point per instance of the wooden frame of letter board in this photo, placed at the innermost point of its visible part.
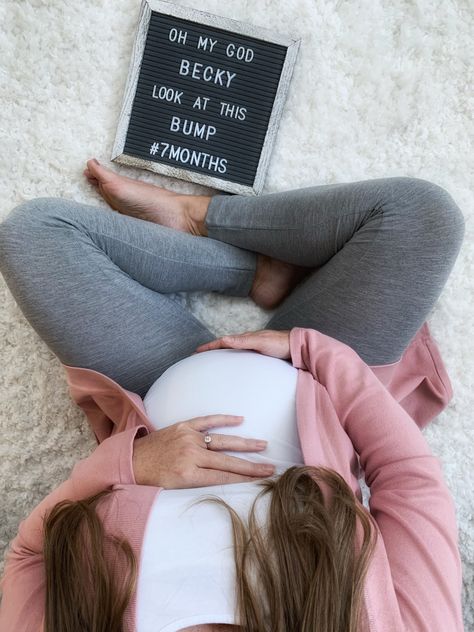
(228, 24)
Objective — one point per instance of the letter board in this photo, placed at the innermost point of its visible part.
(204, 97)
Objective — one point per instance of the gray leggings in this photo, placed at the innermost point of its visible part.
(95, 284)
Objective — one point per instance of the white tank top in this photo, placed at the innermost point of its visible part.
(187, 574)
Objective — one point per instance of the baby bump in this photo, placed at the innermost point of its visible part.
(233, 382)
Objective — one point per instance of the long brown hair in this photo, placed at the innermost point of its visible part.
(304, 573)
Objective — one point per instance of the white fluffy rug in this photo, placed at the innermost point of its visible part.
(379, 89)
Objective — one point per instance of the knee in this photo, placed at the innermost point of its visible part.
(29, 211)
(434, 206)
(28, 216)
(35, 205)
(20, 227)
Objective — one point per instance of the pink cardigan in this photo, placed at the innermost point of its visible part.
(344, 409)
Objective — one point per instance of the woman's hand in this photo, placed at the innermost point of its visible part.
(176, 457)
(266, 341)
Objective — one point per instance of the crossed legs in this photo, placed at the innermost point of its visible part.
(371, 259)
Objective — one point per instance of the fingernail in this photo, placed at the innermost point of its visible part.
(268, 468)
(262, 444)
(96, 161)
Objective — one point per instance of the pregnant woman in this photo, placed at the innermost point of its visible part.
(174, 522)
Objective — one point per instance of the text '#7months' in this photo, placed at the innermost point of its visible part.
(189, 157)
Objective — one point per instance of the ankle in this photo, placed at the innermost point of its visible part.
(261, 271)
(196, 210)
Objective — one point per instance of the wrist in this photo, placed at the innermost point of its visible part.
(137, 461)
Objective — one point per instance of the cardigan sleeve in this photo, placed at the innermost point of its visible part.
(409, 499)
(23, 580)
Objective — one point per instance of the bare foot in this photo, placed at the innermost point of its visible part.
(149, 202)
(274, 280)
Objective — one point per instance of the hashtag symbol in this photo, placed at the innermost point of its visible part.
(154, 148)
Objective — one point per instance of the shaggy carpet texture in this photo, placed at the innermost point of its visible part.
(380, 88)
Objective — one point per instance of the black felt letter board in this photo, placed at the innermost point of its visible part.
(203, 100)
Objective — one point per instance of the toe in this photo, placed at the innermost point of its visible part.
(92, 179)
(100, 172)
